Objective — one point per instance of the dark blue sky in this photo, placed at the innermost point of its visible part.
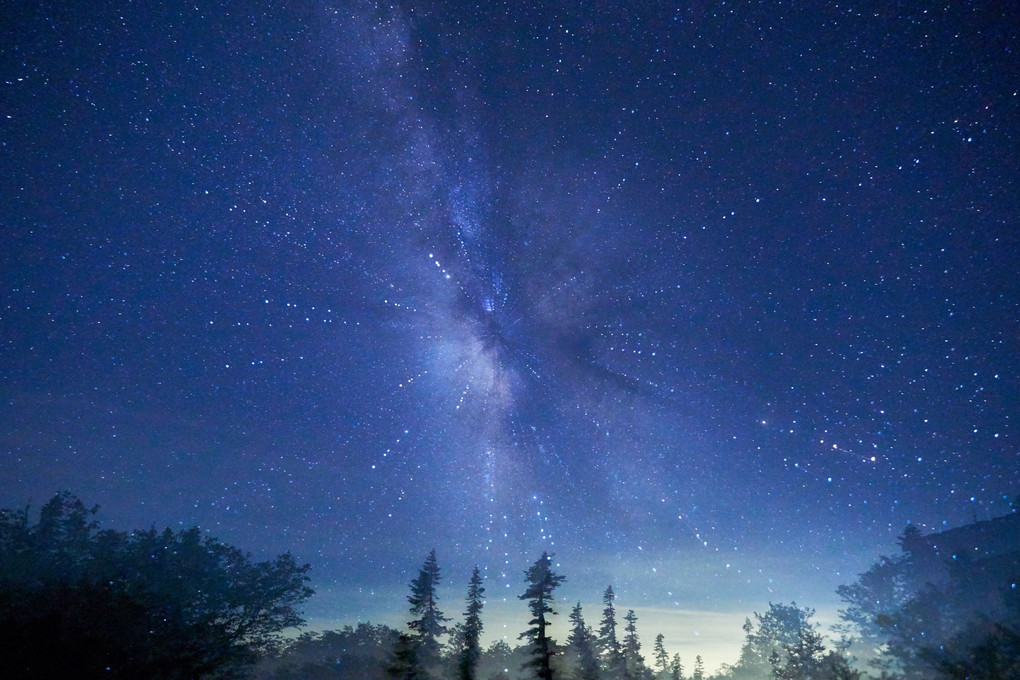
(707, 298)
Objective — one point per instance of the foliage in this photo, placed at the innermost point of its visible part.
(427, 627)
(581, 647)
(404, 662)
(634, 662)
(660, 654)
(542, 581)
(783, 643)
(609, 645)
(985, 651)
(882, 588)
(807, 659)
(471, 651)
(146, 604)
(699, 669)
(765, 640)
(361, 653)
(501, 662)
(930, 613)
(676, 668)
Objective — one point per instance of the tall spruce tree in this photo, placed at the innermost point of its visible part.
(661, 656)
(581, 647)
(634, 662)
(427, 626)
(471, 651)
(609, 645)
(542, 581)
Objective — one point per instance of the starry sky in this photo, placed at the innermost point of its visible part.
(710, 299)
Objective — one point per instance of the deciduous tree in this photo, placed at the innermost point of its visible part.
(79, 602)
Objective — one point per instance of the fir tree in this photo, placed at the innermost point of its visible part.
(699, 669)
(676, 668)
(661, 657)
(581, 647)
(634, 662)
(609, 645)
(541, 582)
(471, 651)
(427, 627)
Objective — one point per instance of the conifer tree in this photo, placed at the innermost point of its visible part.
(699, 669)
(609, 645)
(427, 627)
(634, 662)
(661, 657)
(471, 651)
(541, 582)
(581, 646)
(676, 668)
(404, 663)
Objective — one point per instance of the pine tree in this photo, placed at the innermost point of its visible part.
(661, 657)
(609, 645)
(634, 662)
(676, 668)
(581, 647)
(471, 650)
(427, 627)
(541, 582)
(699, 669)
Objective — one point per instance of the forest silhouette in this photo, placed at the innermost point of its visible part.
(84, 602)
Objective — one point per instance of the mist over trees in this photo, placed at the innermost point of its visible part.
(947, 606)
(934, 614)
(179, 604)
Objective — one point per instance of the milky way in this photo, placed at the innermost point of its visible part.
(710, 302)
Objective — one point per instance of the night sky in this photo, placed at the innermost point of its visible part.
(709, 299)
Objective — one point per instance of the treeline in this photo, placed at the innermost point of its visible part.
(946, 608)
(77, 601)
(782, 643)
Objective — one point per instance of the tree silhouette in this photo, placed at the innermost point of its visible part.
(365, 652)
(765, 639)
(945, 607)
(609, 645)
(581, 647)
(803, 657)
(153, 604)
(427, 627)
(699, 669)
(542, 581)
(471, 651)
(635, 663)
(661, 656)
(676, 668)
